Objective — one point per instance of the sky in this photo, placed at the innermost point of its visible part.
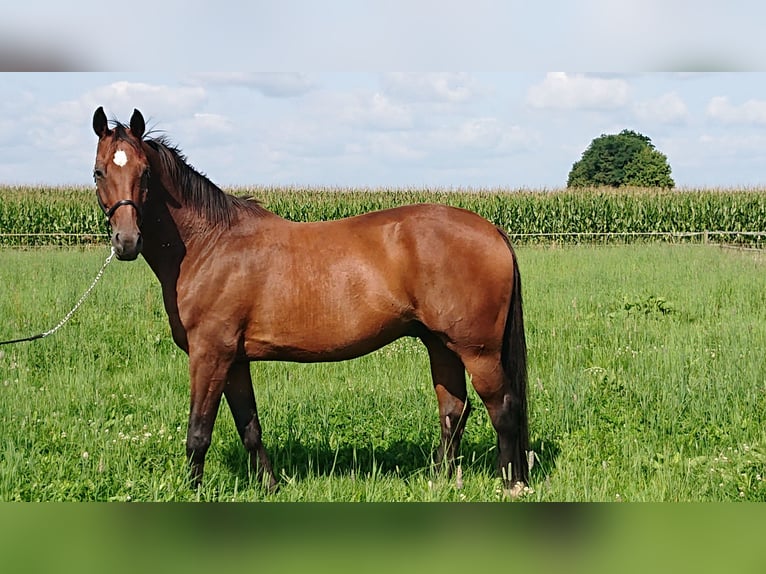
(343, 120)
(363, 129)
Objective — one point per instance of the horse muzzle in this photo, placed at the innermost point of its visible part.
(127, 245)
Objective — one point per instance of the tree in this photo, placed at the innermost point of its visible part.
(648, 168)
(617, 160)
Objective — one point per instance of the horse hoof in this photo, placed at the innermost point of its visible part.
(272, 488)
(518, 490)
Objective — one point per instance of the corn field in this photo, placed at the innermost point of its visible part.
(65, 216)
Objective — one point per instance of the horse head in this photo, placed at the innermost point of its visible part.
(121, 174)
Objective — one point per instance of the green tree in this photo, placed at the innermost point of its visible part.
(616, 160)
(648, 168)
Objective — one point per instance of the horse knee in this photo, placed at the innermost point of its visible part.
(505, 413)
(251, 437)
(197, 444)
(455, 419)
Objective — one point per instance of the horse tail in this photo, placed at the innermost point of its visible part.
(514, 357)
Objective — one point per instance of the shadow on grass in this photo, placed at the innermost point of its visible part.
(400, 459)
(300, 461)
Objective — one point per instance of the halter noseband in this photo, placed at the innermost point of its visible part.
(110, 212)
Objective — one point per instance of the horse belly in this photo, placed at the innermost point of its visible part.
(330, 341)
(326, 324)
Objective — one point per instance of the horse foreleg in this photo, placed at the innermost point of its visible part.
(208, 376)
(241, 399)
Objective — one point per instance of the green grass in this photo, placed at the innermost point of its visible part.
(647, 383)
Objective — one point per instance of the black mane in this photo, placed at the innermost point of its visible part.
(201, 194)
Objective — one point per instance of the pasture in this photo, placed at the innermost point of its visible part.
(647, 382)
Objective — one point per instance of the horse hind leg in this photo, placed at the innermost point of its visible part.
(506, 408)
(448, 374)
(241, 399)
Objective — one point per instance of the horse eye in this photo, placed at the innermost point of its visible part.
(97, 174)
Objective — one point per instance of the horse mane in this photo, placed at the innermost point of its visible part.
(206, 198)
(121, 133)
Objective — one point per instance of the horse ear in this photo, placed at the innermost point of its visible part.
(100, 125)
(137, 124)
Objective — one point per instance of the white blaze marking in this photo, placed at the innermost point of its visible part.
(120, 158)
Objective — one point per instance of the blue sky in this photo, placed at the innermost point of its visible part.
(472, 129)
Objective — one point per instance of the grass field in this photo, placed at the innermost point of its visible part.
(647, 383)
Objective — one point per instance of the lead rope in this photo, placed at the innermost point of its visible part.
(72, 312)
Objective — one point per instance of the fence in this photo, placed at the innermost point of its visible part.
(750, 239)
(53, 238)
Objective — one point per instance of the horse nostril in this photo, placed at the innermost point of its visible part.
(117, 237)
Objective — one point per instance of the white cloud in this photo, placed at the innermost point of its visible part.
(63, 128)
(669, 108)
(213, 122)
(560, 90)
(490, 135)
(204, 130)
(750, 112)
(362, 110)
(437, 87)
(167, 103)
(152, 99)
(8, 135)
(273, 85)
(459, 142)
(394, 147)
(379, 112)
(479, 133)
(301, 138)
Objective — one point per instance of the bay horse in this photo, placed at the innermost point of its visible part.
(241, 284)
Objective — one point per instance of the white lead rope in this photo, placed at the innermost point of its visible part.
(72, 312)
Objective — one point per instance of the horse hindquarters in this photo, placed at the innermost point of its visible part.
(496, 361)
